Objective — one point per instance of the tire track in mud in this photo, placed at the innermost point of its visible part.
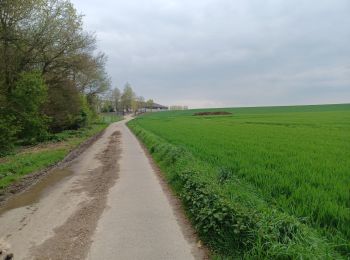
(72, 240)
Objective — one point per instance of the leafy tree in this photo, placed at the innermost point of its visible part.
(116, 99)
(8, 130)
(27, 99)
(137, 103)
(44, 52)
(149, 103)
(85, 115)
(63, 106)
(48, 35)
(127, 98)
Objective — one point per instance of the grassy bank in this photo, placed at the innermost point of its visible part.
(26, 160)
(261, 182)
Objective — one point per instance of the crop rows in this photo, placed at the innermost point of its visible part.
(294, 161)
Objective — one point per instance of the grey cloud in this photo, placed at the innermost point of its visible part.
(225, 52)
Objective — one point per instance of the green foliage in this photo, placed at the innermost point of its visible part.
(27, 99)
(19, 164)
(223, 226)
(68, 108)
(110, 117)
(127, 97)
(272, 168)
(8, 130)
(85, 115)
(42, 43)
(107, 107)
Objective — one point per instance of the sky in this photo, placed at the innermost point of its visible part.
(222, 53)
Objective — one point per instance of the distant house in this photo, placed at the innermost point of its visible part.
(155, 108)
(158, 107)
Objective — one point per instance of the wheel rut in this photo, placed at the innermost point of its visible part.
(73, 239)
(107, 203)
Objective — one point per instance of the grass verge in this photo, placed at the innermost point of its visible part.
(27, 160)
(241, 225)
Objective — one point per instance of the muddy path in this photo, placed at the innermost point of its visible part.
(107, 203)
(27, 181)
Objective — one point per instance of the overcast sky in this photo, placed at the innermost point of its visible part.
(215, 53)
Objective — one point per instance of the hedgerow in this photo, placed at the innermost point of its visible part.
(238, 224)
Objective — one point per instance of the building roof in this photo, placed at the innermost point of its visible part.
(155, 105)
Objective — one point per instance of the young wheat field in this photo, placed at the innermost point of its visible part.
(294, 160)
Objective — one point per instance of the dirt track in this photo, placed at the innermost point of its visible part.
(108, 203)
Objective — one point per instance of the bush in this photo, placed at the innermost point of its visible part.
(8, 132)
(84, 116)
(67, 107)
(26, 100)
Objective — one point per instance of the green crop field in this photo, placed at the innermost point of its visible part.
(282, 172)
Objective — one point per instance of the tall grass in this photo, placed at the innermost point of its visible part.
(293, 161)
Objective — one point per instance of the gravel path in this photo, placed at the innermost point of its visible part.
(108, 203)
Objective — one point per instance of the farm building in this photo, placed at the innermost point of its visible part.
(159, 107)
(156, 107)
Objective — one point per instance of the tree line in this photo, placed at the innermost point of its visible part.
(51, 75)
(126, 101)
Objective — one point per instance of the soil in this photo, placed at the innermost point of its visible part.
(216, 113)
(73, 238)
(107, 203)
(29, 180)
(43, 147)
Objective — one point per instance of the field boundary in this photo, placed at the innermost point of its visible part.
(231, 228)
(186, 227)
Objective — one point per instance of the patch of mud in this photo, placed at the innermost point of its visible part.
(216, 113)
(33, 194)
(43, 147)
(73, 239)
(29, 180)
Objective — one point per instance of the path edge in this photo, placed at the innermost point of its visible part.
(31, 179)
(198, 249)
